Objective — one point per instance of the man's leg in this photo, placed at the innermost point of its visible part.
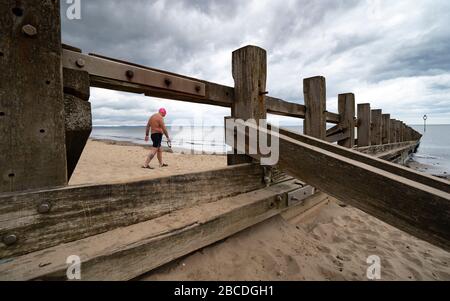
(160, 159)
(150, 156)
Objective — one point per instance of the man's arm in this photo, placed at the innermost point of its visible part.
(147, 130)
(163, 126)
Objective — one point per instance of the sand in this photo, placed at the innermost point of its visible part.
(109, 162)
(331, 242)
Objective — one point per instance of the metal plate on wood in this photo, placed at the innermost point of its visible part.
(297, 196)
(121, 71)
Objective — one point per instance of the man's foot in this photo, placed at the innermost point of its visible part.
(163, 165)
(147, 167)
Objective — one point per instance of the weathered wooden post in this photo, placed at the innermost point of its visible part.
(315, 123)
(402, 131)
(375, 130)
(78, 118)
(364, 124)
(397, 131)
(346, 107)
(249, 72)
(32, 147)
(392, 135)
(386, 128)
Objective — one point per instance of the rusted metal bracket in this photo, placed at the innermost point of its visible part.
(297, 196)
(131, 73)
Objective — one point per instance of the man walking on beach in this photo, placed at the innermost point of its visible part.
(156, 124)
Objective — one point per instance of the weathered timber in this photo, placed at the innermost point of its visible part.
(129, 252)
(79, 212)
(415, 208)
(76, 83)
(284, 108)
(78, 126)
(338, 137)
(386, 128)
(364, 124)
(346, 106)
(375, 129)
(360, 155)
(315, 122)
(32, 143)
(126, 72)
(249, 67)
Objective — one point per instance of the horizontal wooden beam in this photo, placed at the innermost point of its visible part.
(126, 253)
(337, 137)
(110, 73)
(415, 208)
(44, 219)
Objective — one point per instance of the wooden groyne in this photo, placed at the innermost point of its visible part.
(121, 231)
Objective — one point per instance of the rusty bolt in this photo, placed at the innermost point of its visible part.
(44, 208)
(80, 63)
(197, 89)
(9, 239)
(129, 74)
(167, 82)
(263, 93)
(29, 30)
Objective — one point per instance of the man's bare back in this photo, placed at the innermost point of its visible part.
(156, 123)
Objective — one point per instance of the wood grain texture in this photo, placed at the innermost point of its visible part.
(366, 155)
(375, 129)
(249, 68)
(79, 212)
(32, 145)
(364, 124)
(315, 122)
(386, 128)
(415, 208)
(129, 252)
(346, 107)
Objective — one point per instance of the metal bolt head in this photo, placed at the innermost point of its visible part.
(29, 30)
(80, 63)
(130, 74)
(9, 239)
(44, 208)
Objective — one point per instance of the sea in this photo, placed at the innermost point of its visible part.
(433, 153)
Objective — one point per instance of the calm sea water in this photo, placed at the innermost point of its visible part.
(434, 149)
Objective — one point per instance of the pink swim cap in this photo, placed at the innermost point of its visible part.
(163, 112)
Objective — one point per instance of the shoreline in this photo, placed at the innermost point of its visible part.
(178, 150)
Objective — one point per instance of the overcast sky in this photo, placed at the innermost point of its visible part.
(393, 54)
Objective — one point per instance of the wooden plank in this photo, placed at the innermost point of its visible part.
(79, 212)
(126, 253)
(31, 103)
(126, 72)
(314, 90)
(375, 129)
(76, 83)
(393, 134)
(284, 108)
(356, 155)
(337, 137)
(250, 74)
(364, 124)
(346, 107)
(415, 208)
(386, 128)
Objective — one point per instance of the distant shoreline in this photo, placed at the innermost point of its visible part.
(166, 149)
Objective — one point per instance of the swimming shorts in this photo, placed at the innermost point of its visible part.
(157, 139)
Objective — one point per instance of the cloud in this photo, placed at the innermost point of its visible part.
(394, 54)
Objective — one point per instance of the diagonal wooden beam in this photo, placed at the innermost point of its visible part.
(413, 207)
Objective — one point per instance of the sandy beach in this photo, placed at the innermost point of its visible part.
(331, 242)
